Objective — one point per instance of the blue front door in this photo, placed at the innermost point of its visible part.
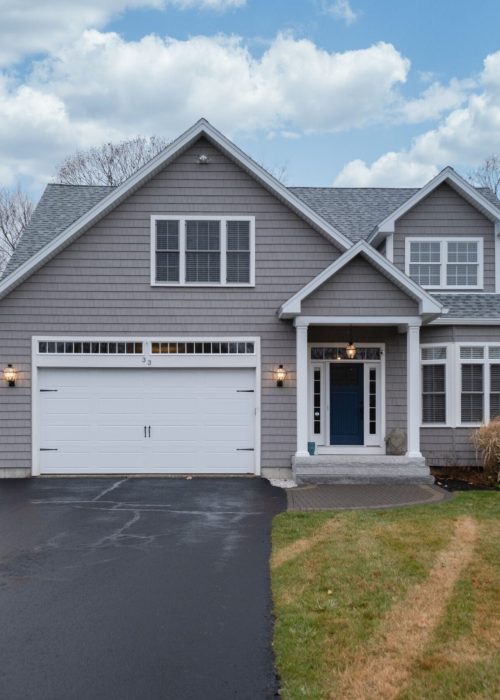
(346, 404)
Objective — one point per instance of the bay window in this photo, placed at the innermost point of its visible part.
(434, 384)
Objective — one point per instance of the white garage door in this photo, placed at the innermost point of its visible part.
(149, 420)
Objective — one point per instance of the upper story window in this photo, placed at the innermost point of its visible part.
(203, 251)
(446, 263)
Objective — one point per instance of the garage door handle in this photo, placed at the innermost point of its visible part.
(149, 431)
(145, 431)
(244, 449)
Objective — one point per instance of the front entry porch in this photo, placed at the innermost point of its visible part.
(358, 411)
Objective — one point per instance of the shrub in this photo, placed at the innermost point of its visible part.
(486, 440)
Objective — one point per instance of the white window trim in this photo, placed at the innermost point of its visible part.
(486, 362)
(182, 218)
(444, 259)
(373, 444)
(449, 377)
(454, 382)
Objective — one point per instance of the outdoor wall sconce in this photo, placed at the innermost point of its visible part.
(203, 159)
(9, 374)
(280, 375)
(351, 350)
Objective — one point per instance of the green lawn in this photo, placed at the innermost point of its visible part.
(399, 603)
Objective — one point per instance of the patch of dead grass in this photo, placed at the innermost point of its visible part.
(295, 549)
(382, 670)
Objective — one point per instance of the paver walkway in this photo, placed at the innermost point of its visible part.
(352, 496)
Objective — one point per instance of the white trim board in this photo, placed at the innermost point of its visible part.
(444, 261)
(182, 219)
(458, 183)
(202, 128)
(427, 303)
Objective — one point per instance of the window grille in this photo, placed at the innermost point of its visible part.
(208, 347)
(89, 347)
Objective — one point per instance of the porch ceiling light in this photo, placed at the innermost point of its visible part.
(280, 376)
(351, 350)
(9, 374)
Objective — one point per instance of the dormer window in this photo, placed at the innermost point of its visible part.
(445, 263)
(203, 251)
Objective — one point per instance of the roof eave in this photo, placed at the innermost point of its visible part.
(201, 128)
(428, 306)
(457, 182)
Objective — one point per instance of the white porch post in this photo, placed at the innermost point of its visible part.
(413, 390)
(301, 382)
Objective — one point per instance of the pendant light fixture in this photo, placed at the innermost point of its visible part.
(351, 350)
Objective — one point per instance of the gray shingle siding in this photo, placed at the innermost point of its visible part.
(58, 208)
(100, 284)
(446, 213)
(360, 290)
(452, 446)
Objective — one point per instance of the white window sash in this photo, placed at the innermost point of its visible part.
(183, 218)
(444, 260)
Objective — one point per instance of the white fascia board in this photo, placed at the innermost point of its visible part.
(278, 188)
(457, 182)
(201, 128)
(427, 304)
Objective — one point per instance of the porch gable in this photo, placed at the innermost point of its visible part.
(362, 282)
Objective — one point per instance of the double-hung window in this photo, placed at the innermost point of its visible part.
(447, 263)
(479, 383)
(202, 250)
(434, 384)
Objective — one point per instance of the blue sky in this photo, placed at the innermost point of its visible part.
(345, 92)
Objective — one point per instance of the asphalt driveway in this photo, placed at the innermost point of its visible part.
(136, 588)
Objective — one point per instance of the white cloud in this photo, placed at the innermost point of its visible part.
(31, 26)
(463, 138)
(103, 87)
(434, 101)
(341, 9)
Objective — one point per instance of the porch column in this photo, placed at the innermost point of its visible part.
(413, 390)
(301, 382)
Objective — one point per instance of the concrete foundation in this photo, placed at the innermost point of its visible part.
(15, 473)
(360, 469)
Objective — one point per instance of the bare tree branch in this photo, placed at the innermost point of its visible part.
(487, 174)
(110, 163)
(16, 209)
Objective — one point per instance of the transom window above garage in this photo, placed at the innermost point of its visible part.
(202, 250)
(89, 347)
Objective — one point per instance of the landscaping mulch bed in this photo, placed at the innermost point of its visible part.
(462, 479)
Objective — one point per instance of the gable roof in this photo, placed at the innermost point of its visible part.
(427, 304)
(354, 210)
(103, 206)
(473, 195)
(58, 208)
(357, 211)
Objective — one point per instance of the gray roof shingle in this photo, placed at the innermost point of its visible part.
(58, 208)
(471, 305)
(354, 211)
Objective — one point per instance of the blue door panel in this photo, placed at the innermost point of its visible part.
(346, 404)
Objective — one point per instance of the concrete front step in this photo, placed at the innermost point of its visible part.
(360, 469)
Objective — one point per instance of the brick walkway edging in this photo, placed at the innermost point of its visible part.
(359, 496)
